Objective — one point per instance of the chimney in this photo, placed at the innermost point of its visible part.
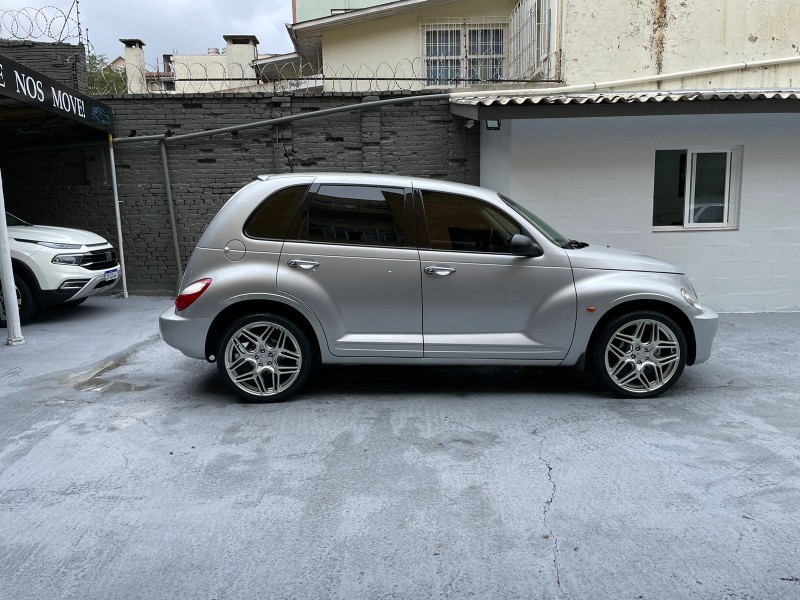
(134, 66)
(240, 52)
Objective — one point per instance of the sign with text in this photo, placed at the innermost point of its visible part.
(31, 87)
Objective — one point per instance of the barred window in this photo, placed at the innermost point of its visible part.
(459, 52)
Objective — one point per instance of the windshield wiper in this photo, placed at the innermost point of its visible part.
(574, 245)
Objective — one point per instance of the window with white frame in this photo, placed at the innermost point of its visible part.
(697, 188)
(464, 51)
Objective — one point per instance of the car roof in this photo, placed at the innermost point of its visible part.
(378, 179)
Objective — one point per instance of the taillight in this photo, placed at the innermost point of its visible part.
(191, 293)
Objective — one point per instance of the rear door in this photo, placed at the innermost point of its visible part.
(479, 300)
(349, 256)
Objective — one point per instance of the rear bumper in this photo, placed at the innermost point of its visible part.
(705, 328)
(187, 335)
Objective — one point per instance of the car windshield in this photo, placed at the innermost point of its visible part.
(550, 233)
(11, 220)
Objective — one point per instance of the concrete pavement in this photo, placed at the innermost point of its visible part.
(128, 471)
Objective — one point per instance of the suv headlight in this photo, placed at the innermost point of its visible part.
(68, 259)
(691, 299)
(59, 245)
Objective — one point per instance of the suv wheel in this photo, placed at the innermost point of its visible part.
(264, 358)
(640, 354)
(25, 301)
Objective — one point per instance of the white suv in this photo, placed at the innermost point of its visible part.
(55, 265)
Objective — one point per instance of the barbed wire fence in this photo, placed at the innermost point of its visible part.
(57, 28)
(44, 24)
(198, 74)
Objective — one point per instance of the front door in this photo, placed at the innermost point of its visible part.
(348, 258)
(479, 300)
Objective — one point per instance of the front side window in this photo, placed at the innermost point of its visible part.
(697, 188)
(351, 214)
(460, 52)
(466, 224)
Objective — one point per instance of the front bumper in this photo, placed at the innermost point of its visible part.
(78, 286)
(185, 334)
(705, 328)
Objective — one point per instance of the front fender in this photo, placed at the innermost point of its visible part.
(600, 291)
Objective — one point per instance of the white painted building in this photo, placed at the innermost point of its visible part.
(228, 69)
(717, 193)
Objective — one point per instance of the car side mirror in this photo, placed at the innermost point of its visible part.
(522, 245)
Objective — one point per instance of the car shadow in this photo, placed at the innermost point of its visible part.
(455, 380)
(392, 382)
(59, 313)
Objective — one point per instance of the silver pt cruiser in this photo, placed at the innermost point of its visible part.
(350, 268)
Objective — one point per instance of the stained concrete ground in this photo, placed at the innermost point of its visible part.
(127, 471)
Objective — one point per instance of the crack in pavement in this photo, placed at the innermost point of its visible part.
(545, 510)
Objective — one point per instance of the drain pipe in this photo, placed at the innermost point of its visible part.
(588, 87)
(592, 87)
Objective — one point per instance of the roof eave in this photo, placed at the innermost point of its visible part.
(314, 27)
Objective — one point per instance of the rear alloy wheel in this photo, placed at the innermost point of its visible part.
(264, 358)
(640, 354)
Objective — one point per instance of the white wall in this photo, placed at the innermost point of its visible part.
(392, 46)
(593, 180)
(617, 39)
(496, 158)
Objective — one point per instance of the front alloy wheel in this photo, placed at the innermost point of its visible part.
(264, 358)
(25, 302)
(640, 355)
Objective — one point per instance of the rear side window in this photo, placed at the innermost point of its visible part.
(466, 224)
(271, 219)
(352, 214)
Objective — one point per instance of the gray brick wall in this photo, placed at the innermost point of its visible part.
(71, 186)
(65, 63)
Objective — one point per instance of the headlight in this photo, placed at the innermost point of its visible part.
(691, 299)
(68, 259)
(59, 245)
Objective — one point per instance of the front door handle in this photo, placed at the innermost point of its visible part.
(442, 271)
(303, 264)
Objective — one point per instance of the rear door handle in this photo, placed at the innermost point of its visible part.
(303, 264)
(441, 271)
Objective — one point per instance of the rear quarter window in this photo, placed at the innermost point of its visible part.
(271, 219)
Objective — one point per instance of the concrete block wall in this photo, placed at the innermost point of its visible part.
(421, 139)
(65, 63)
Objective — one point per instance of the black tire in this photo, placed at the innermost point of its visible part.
(257, 360)
(27, 306)
(653, 365)
(75, 302)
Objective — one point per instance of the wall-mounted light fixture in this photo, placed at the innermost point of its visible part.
(493, 125)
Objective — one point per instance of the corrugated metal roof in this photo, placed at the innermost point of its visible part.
(483, 99)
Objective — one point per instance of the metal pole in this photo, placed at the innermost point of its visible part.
(9, 290)
(116, 212)
(171, 206)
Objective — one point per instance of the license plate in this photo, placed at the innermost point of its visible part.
(112, 274)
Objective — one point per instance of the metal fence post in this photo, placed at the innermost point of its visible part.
(119, 218)
(9, 290)
(171, 206)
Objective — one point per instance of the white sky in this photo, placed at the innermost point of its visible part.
(183, 26)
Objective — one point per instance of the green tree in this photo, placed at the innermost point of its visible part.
(102, 78)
